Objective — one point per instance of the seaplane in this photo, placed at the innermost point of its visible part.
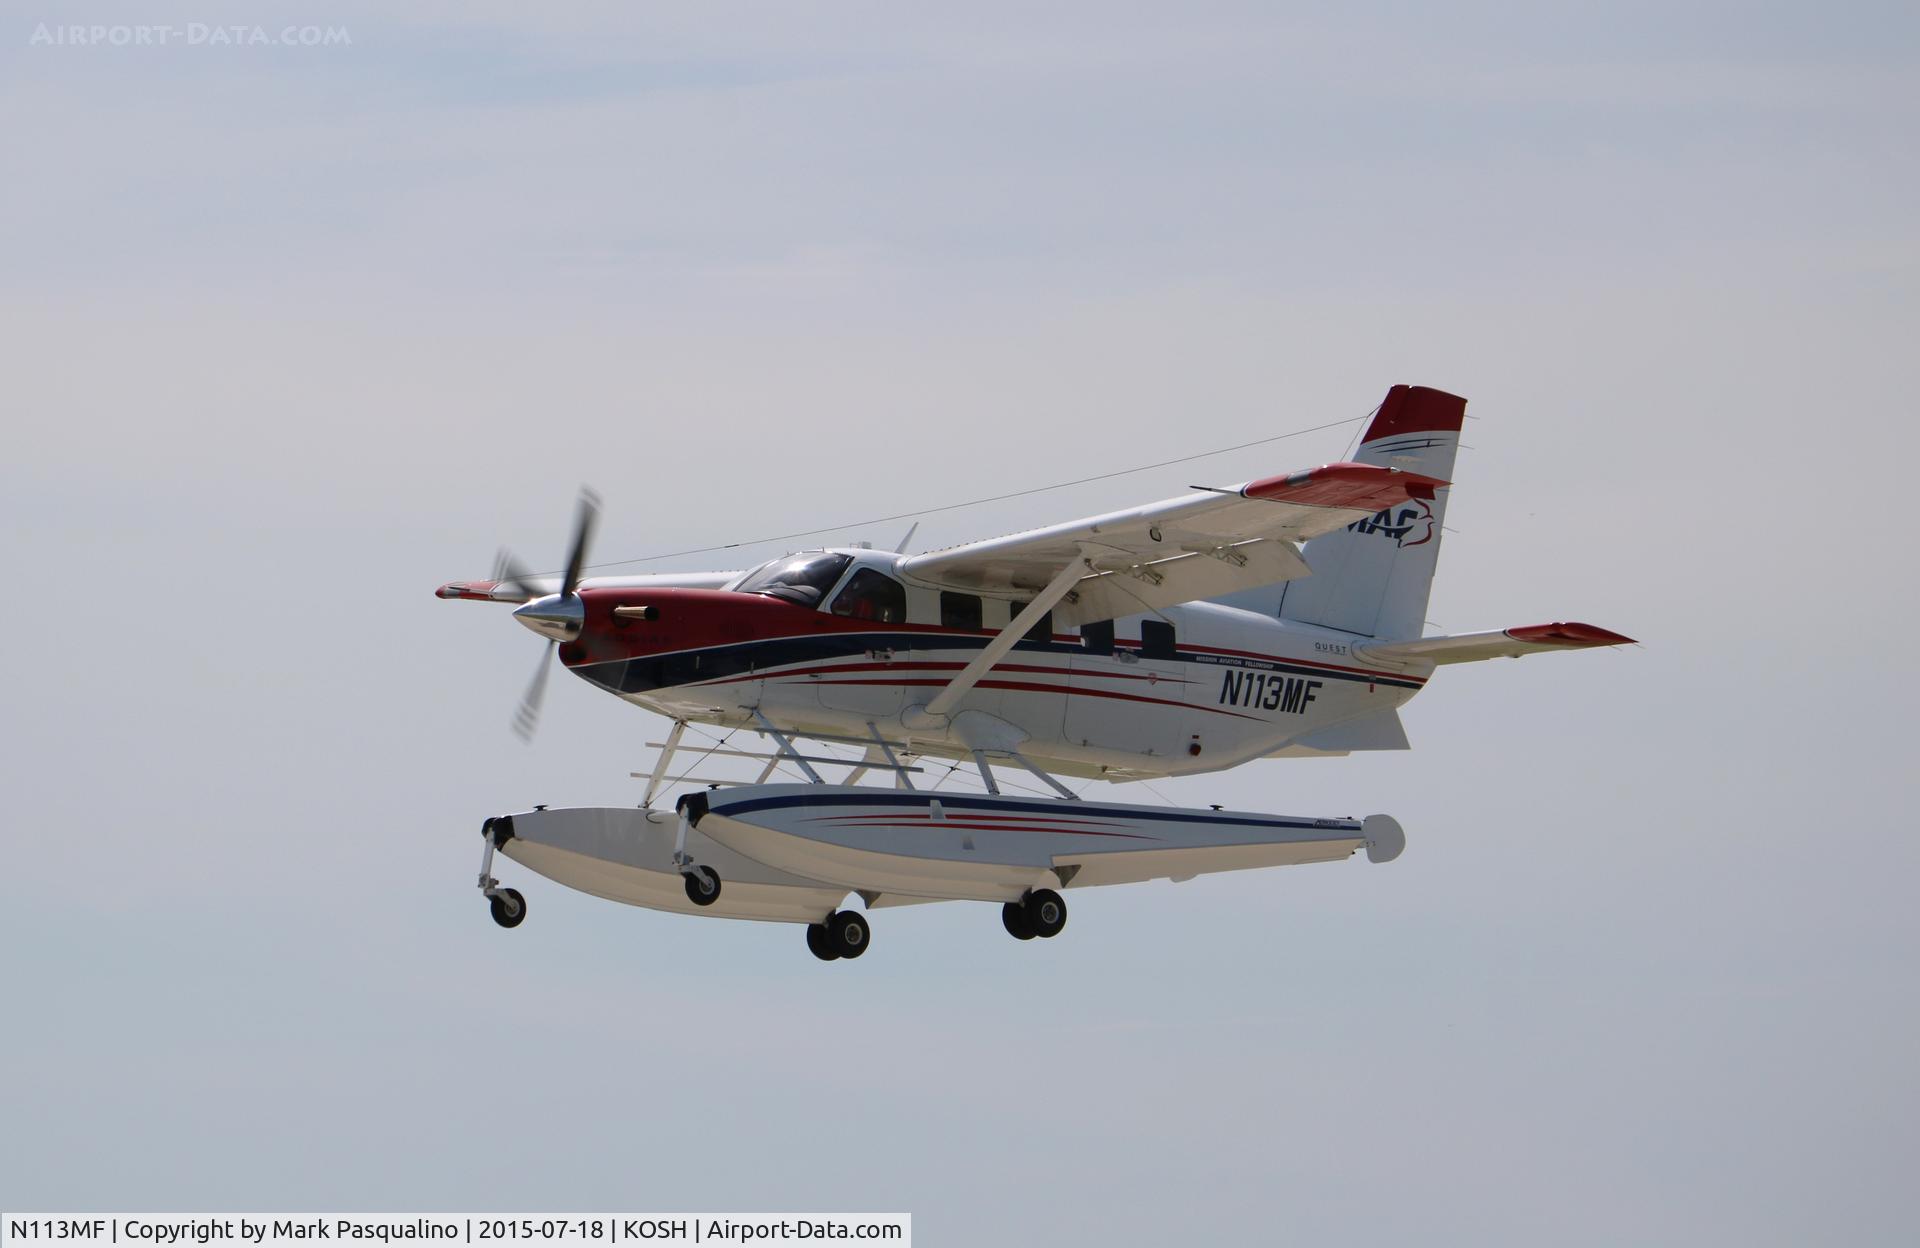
(1280, 618)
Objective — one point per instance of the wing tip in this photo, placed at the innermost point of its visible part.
(1569, 633)
(472, 591)
(1367, 487)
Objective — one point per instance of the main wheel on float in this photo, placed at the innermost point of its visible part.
(848, 933)
(1046, 912)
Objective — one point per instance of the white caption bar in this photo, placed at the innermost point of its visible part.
(489, 1230)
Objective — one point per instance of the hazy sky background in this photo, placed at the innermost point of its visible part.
(294, 335)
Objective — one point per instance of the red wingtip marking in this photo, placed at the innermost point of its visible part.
(1568, 634)
(1416, 409)
(1368, 487)
(473, 591)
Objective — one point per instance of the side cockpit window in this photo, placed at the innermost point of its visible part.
(960, 611)
(875, 596)
(1157, 640)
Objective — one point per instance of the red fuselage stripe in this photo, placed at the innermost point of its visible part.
(972, 815)
(915, 665)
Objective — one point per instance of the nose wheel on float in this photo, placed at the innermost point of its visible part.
(508, 907)
(703, 883)
(703, 886)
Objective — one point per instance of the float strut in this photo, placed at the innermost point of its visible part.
(986, 772)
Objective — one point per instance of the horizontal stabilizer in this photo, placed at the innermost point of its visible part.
(1507, 643)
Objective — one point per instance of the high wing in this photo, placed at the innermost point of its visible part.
(527, 588)
(1204, 545)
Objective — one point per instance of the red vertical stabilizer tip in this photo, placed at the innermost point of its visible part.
(1416, 409)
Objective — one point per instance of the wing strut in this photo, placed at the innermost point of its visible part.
(1063, 581)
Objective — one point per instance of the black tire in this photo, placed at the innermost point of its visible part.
(703, 886)
(1013, 917)
(508, 906)
(820, 942)
(849, 933)
(1046, 912)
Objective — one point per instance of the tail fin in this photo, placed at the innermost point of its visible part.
(1373, 577)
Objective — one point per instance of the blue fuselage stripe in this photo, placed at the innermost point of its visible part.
(645, 673)
(720, 805)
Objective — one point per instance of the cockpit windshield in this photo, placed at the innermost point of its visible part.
(800, 579)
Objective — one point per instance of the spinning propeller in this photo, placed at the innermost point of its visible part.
(557, 617)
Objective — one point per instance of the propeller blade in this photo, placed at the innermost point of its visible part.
(587, 517)
(527, 718)
(510, 571)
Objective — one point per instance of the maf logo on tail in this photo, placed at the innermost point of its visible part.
(1410, 525)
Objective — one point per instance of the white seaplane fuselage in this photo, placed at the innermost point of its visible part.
(1193, 688)
(1283, 617)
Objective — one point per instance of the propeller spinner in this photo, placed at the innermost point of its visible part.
(557, 617)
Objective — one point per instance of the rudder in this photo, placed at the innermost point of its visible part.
(1373, 577)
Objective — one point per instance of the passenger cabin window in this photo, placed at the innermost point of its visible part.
(1097, 638)
(801, 579)
(1042, 631)
(873, 596)
(960, 611)
(1156, 639)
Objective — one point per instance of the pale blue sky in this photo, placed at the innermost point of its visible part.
(295, 335)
